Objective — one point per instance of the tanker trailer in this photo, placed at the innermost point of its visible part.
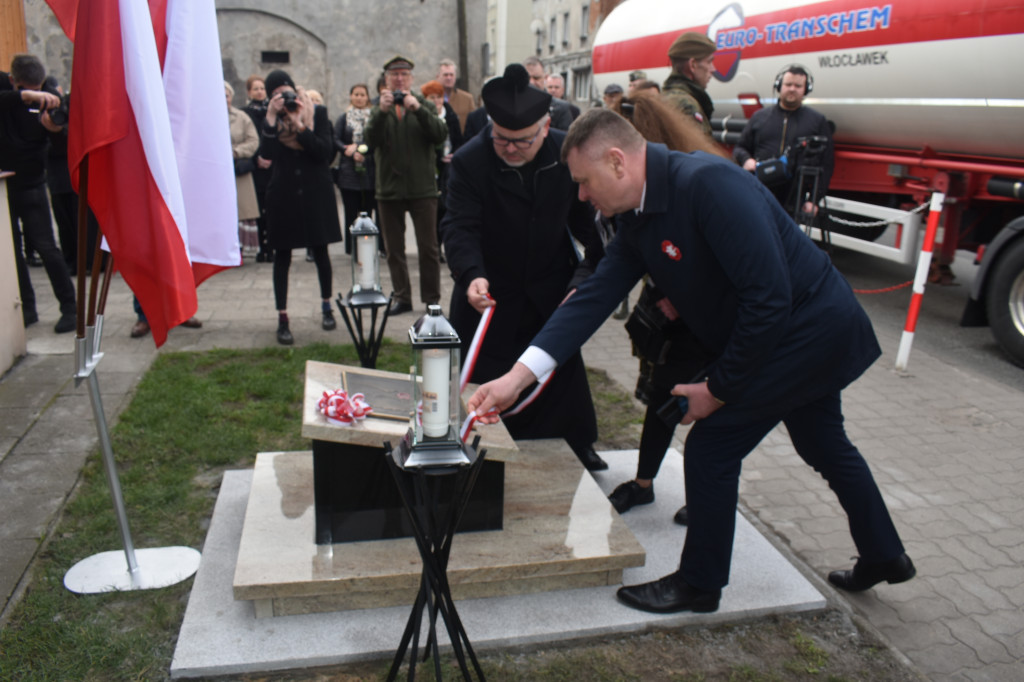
(924, 95)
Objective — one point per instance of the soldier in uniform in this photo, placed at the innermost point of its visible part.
(692, 56)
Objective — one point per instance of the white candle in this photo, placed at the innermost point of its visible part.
(367, 253)
(436, 382)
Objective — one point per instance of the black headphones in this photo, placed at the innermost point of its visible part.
(800, 71)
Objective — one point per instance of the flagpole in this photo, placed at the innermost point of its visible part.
(106, 571)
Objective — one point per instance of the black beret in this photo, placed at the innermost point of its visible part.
(276, 79)
(511, 102)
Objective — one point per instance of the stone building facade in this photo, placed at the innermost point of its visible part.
(559, 32)
(327, 45)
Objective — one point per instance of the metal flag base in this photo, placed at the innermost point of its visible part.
(130, 569)
(108, 571)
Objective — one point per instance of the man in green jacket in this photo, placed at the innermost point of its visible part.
(404, 132)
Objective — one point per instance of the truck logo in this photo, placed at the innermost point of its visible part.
(768, 33)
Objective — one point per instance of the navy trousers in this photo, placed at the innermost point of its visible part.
(715, 448)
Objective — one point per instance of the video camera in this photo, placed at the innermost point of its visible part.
(809, 151)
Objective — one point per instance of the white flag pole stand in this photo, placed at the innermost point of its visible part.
(111, 571)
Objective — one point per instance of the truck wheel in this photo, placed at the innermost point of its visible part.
(1005, 301)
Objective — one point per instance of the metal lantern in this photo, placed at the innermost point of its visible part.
(365, 264)
(435, 382)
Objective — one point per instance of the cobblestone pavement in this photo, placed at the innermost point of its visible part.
(945, 447)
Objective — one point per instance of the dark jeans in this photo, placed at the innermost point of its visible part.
(283, 262)
(30, 217)
(715, 448)
(65, 213)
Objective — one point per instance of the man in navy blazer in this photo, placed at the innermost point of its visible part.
(788, 332)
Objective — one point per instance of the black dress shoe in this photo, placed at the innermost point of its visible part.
(328, 323)
(284, 335)
(399, 307)
(670, 594)
(866, 575)
(682, 517)
(631, 494)
(66, 323)
(591, 460)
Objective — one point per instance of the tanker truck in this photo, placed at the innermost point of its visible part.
(925, 96)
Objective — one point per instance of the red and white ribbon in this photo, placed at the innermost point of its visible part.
(474, 347)
(467, 370)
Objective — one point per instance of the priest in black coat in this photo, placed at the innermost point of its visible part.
(510, 231)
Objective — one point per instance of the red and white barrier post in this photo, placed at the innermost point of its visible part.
(923, 264)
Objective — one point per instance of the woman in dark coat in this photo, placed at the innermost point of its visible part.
(301, 209)
(355, 168)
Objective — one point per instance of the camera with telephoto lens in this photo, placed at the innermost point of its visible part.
(290, 100)
(59, 114)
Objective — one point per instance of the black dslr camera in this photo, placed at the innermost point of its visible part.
(398, 95)
(59, 114)
(291, 100)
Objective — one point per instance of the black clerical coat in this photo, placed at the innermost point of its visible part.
(512, 226)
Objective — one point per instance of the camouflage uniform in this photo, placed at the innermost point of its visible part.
(686, 96)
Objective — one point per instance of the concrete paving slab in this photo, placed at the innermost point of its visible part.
(220, 636)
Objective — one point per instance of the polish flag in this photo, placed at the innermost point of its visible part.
(146, 179)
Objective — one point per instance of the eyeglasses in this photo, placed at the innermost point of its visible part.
(519, 142)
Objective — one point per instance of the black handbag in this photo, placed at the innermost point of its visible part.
(244, 165)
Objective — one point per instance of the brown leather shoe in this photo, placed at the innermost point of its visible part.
(140, 329)
(192, 323)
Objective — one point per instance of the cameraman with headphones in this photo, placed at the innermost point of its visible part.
(775, 132)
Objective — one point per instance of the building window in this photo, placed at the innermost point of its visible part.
(584, 22)
(552, 33)
(565, 29)
(271, 57)
(581, 84)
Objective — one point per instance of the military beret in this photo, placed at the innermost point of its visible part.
(398, 62)
(511, 102)
(691, 44)
(637, 76)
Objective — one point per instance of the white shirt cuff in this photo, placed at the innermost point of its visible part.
(538, 361)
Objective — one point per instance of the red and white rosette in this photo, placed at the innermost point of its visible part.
(341, 409)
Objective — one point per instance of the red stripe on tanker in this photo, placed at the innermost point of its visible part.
(899, 74)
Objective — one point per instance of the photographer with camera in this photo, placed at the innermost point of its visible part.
(25, 130)
(302, 212)
(403, 130)
(800, 134)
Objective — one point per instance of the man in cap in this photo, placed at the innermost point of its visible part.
(634, 78)
(508, 236)
(404, 132)
(561, 115)
(612, 97)
(692, 55)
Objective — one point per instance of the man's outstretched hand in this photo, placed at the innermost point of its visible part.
(498, 395)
